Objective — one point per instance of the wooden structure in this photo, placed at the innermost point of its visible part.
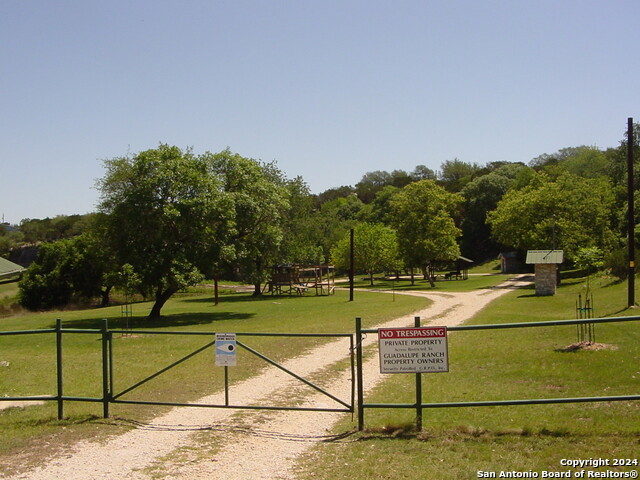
(298, 279)
(461, 271)
(509, 262)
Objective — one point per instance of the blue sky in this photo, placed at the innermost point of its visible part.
(328, 89)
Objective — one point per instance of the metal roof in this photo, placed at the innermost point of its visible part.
(544, 256)
(8, 268)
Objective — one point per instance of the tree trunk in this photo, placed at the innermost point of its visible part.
(257, 286)
(371, 278)
(161, 298)
(105, 296)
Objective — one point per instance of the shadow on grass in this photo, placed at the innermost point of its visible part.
(175, 320)
(228, 298)
(459, 433)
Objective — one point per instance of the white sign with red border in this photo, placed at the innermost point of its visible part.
(413, 350)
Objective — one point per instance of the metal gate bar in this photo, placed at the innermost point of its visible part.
(348, 407)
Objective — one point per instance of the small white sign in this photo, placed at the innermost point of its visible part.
(413, 350)
(225, 349)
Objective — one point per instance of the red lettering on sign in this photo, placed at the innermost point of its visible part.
(420, 332)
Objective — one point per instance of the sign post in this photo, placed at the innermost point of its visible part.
(226, 357)
(414, 350)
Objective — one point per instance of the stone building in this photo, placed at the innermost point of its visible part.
(547, 269)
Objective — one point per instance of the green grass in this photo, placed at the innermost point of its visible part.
(491, 266)
(31, 358)
(8, 298)
(8, 290)
(456, 443)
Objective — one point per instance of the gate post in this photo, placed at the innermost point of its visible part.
(359, 381)
(418, 389)
(59, 367)
(106, 394)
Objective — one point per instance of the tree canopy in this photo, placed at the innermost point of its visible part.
(167, 217)
(423, 216)
(568, 213)
(375, 249)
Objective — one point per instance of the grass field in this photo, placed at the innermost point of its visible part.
(454, 443)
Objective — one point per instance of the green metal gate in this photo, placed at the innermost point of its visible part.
(109, 376)
(110, 396)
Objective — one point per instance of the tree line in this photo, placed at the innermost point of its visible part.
(168, 218)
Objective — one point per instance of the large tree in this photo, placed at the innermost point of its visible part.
(569, 213)
(375, 249)
(167, 217)
(423, 215)
(301, 240)
(259, 198)
(455, 174)
(481, 196)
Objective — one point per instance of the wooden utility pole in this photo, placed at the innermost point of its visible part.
(630, 215)
(351, 261)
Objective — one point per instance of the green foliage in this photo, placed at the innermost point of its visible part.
(63, 270)
(481, 196)
(423, 216)
(567, 213)
(126, 280)
(587, 162)
(589, 259)
(336, 217)
(381, 205)
(9, 240)
(167, 217)
(616, 262)
(455, 174)
(301, 242)
(375, 249)
(259, 199)
(52, 229)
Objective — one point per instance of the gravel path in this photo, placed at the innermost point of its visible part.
(198, 444)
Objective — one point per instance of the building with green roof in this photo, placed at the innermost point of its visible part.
(9, 270)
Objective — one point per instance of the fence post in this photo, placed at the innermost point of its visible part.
(106, 395)
(226, 386)
(418, 389)
(59, 367)
(359, 381)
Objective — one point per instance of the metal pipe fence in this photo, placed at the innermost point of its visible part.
(110, 396)
(418, 405)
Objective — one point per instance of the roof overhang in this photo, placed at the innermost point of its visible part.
(544, 256)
